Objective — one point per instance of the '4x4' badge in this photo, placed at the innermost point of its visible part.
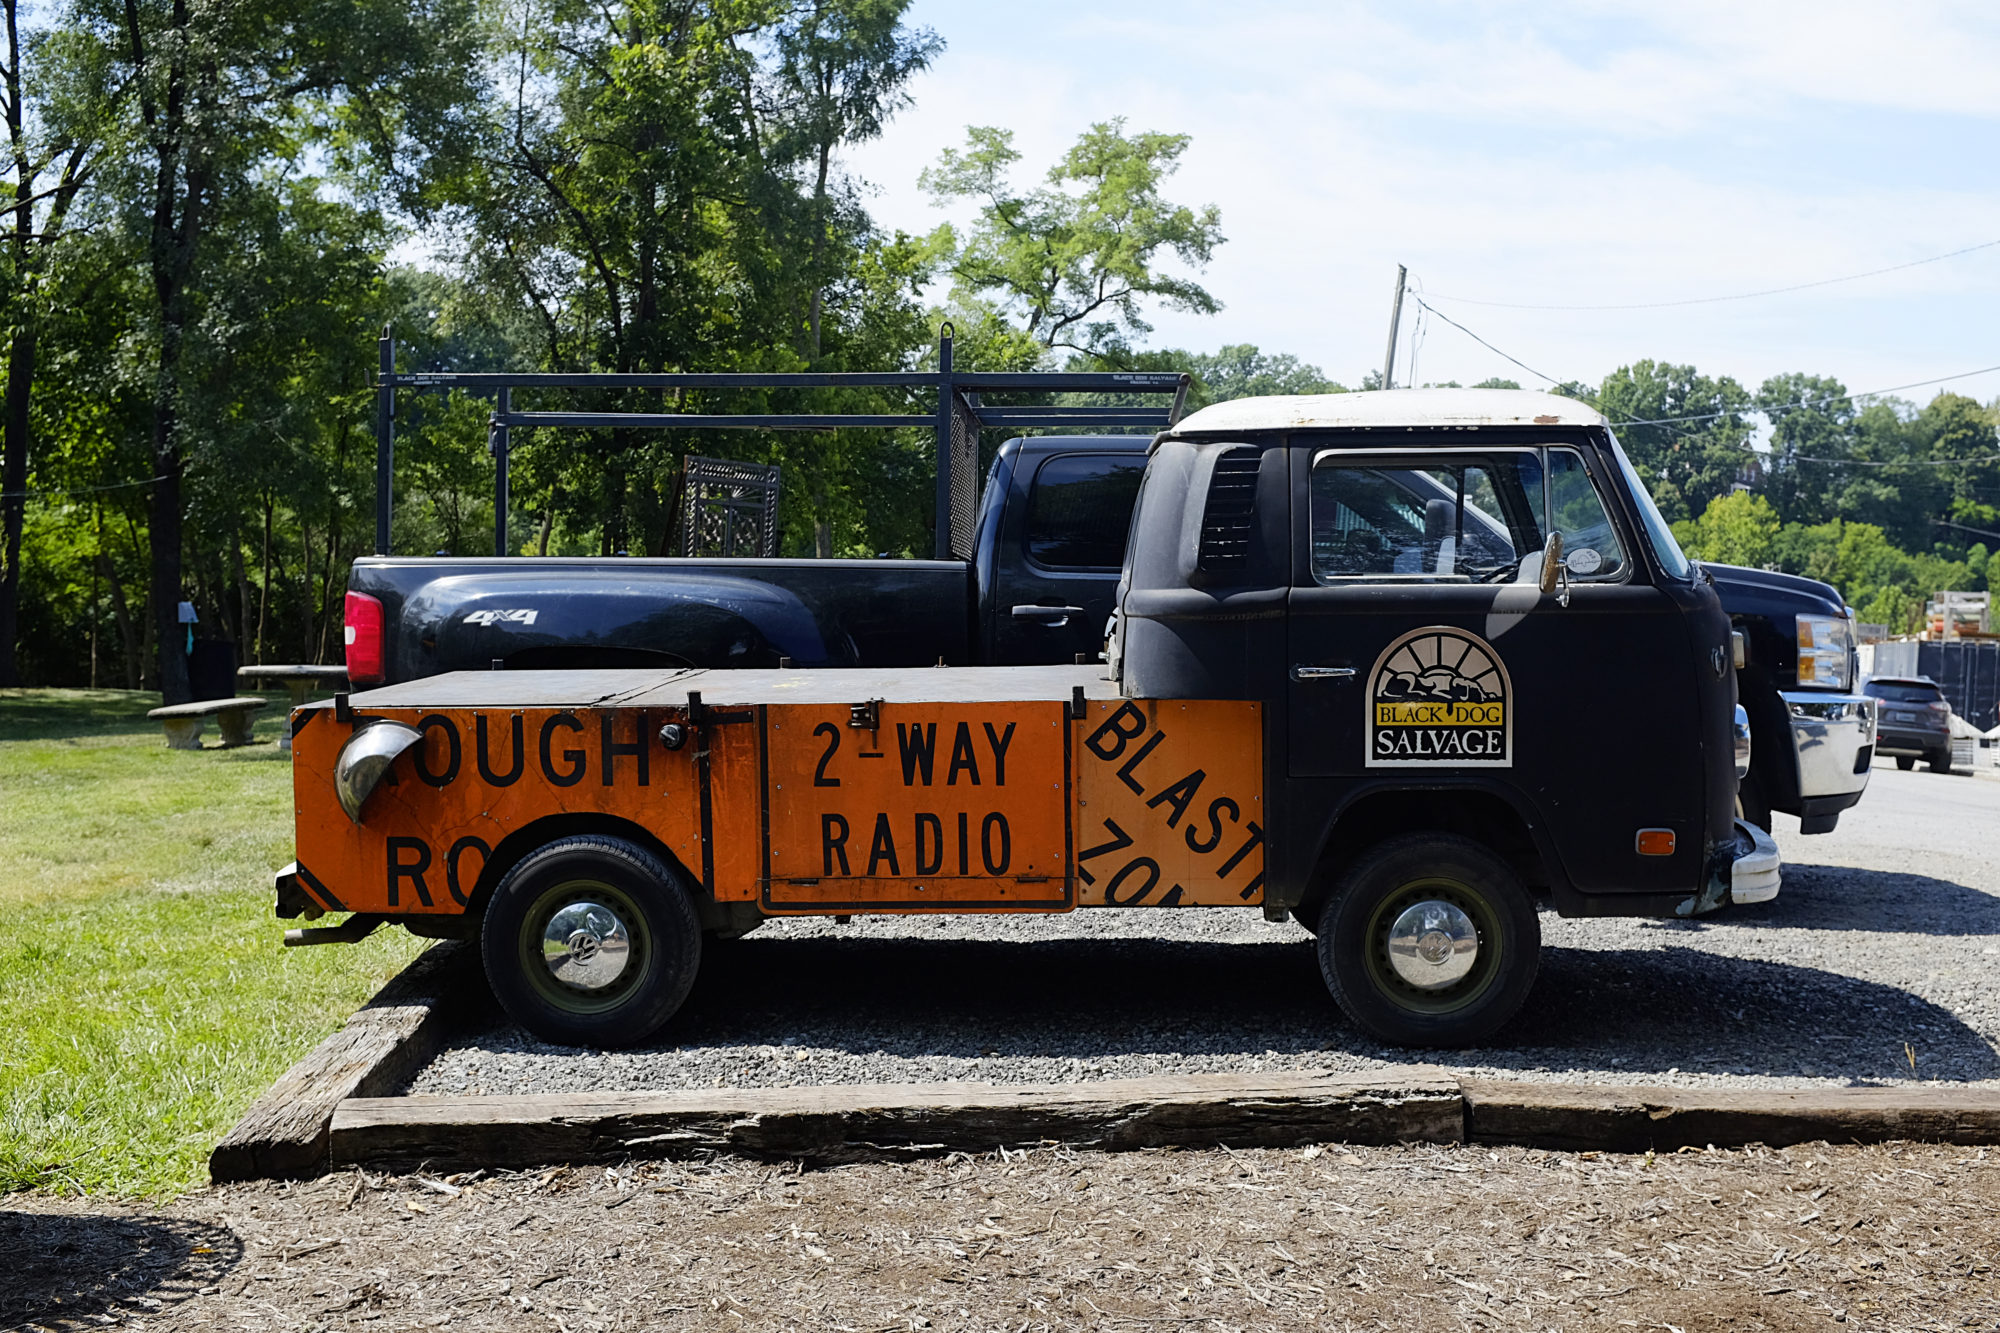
(521, 616)
(1440, 698)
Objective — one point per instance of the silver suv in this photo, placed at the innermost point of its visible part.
(1913, 722)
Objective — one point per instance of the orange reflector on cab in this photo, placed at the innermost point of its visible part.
(1656, 842)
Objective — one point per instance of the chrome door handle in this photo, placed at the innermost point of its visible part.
(1322, 673)
(1046, 613)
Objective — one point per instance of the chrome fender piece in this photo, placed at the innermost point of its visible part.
(365, 758)
(1753, 875)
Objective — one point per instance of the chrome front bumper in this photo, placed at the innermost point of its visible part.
(1834, 737)
(1754, 874)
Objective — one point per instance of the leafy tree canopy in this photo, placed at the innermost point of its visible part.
(1078, 259)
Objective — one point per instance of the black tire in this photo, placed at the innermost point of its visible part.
(1941, 761)
(1751, 802)
(661, 926)
(1354, 934)
(1906, 762)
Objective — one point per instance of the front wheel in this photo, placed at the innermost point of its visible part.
(591, 942)
(1430, 940)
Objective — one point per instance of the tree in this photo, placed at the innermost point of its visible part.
(663, 199)
(1077, 259)
(1954, 426)
(843, 68)
(1684, 431)
(1735, 529)
(1812, 427)
(213, 98)
(1241, 370)
(50, 161)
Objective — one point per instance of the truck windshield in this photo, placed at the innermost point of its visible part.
(1664, 546)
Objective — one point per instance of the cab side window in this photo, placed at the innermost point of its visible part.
(1079, 508)
(1428, 523)
(1472, 520)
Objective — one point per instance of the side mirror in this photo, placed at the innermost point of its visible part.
(1552, 562)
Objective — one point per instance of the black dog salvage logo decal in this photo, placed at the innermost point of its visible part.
(1439, 697)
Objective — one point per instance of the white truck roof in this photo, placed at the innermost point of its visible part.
(1390, 409)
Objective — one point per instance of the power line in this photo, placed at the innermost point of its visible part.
(1737, 412)
(81, 490)
(1815, 402)
(1738, 296)
(1481, 341)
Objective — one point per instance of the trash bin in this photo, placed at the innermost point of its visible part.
(212, 669)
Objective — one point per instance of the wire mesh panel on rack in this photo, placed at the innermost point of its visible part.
(964, 465)
(728, 508)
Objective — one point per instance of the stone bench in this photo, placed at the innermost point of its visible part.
(300, 680)
(184, 721)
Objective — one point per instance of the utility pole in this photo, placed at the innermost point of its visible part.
(1395, 319)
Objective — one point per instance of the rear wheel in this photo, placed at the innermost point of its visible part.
(1430, 940)
(591, 942)
(1906, 762)
(1941, 761)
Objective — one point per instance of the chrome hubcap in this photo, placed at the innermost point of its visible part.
(586, 946)
(1432, 945)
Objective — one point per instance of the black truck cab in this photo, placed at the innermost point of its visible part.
(1372, 564)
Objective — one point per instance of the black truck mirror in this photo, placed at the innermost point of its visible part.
(1552, 562)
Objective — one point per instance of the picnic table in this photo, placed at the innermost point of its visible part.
(301, 680)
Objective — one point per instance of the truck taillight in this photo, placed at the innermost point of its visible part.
(365, 656)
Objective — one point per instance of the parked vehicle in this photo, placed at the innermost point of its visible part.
(1915, 721)
(1049, 541)
(1402, 665)
(1814, 734)
(1049, 538)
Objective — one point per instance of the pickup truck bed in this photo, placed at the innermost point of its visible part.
(547, 612)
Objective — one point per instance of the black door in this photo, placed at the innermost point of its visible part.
(1056, 573)
(1423, 653)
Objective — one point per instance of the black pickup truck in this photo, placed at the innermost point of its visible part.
(1812, 728)
(1049, 542)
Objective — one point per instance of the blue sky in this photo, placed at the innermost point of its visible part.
(1566, 152)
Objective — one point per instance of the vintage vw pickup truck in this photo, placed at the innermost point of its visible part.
(1404, 666)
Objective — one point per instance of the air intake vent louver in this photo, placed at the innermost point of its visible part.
(1225, 522)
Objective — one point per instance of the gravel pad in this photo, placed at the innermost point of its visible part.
(1877, 964)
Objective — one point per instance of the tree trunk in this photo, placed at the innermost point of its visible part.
(326, 587)
(164, 523)
(305, 617)
(264, 596)
(142, 668)
(242, 590)
(128, 637)
(13, 489)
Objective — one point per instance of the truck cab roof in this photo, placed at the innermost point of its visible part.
(1387, 409)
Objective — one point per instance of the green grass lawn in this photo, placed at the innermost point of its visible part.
(145, 999)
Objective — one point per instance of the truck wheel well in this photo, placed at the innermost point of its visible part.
(1480, 816)
(526, 839)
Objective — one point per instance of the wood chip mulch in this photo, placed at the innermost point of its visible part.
(1894, 1237)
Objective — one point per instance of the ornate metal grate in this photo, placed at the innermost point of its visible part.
(728, 508)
